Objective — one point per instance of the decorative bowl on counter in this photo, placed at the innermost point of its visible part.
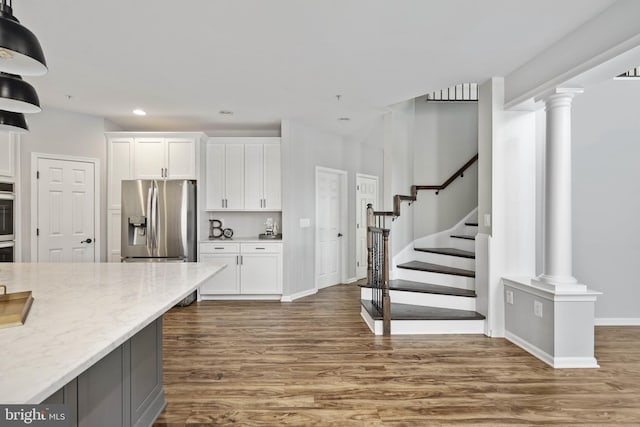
(263, 236)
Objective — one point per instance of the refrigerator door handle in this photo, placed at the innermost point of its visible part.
(154, 218)
(149, 220)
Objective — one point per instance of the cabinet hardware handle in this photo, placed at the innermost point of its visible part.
(222, 202)
(218, 248)
(237, 259)
(261, 248)
(265, 203)
(241, 260)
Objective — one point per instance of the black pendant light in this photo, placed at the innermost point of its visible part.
(20, 50)
(13, 122)
(17, 95)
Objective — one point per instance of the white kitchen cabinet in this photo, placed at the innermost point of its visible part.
(272, 177)
(243, 174)
(224, 177)
(7, 154)
(226, 281)
(262, 177)
(114, 235)
(253, 269)
(161, 157)
(120, 167)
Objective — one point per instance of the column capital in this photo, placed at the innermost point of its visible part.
(559, 92)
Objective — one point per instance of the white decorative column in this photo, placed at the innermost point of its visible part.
(558, 250)
(553, 316)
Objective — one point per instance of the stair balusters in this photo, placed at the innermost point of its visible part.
(378, 266)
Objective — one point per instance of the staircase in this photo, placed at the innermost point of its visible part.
(433, 290)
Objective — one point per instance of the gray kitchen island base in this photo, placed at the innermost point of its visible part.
(124, 388)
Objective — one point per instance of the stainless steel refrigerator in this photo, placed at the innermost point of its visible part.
(158, 221)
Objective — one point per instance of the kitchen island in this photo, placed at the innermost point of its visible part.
(84, 315)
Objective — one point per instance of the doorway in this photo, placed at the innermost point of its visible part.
(65, 197)
(366, 192)
(331, 226)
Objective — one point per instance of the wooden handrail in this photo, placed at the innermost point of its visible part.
(398, 198)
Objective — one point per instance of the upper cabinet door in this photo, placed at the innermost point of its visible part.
(234, 176)
(149, 158)
(215, 176)
(7, 154)
(272, 177)
(253, 177)
(120, 167)
(181, 158)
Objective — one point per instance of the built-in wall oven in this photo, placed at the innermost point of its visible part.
(7, 237)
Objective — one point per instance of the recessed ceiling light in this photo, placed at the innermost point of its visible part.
(344, 119)
(226, 112)
(139, 112)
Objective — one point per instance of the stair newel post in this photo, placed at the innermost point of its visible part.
(370, 223)
(386, 301)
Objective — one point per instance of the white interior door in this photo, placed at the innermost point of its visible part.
(66, 211)
(366, 192)
(329, 227)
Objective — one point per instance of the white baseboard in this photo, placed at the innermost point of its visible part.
(236, 297)
(297, 295)
(554, 362)
(351, 280)
(617, 321)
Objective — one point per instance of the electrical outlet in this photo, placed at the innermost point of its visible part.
(305, 222)
(509, 295)
(537, 308)
(487, 220)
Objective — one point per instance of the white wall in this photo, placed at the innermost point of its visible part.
(304, 148)
(508, 193)
(58, 132)
(606, 200)
(445, 138)
(398, 170)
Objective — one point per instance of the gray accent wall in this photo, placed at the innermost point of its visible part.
(63, 133)
(606, 200)
(445, 138)
(303, 148)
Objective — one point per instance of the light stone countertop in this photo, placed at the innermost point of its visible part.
(241, 240)
(80, 313)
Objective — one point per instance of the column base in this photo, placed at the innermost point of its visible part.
(553, 323)
(558, 283)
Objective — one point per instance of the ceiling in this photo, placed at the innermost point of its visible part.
(267, 60)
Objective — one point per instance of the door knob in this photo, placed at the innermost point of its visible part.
(339, 234)
(87, 241)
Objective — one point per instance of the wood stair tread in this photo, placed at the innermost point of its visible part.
(436, 268)
(448, 251)
(427, 288)
(420, 312)
(463, 236)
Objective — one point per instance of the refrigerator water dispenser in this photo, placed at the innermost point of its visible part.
(137, 231)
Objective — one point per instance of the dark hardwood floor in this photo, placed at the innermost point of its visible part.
(313, 362)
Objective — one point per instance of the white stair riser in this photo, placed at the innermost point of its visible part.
(433, 300)
(464, 244)
(432, 327)
(471, 230)
(448, 260)
(426, 327)
(435, 278)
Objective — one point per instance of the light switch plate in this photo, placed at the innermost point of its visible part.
(305, 222)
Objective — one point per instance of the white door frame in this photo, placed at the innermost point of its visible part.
(344, 224)
(377, 180)
(34, 198)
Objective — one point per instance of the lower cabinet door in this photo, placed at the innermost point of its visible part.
(261, 274)
(101, 393)
(225, 281)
